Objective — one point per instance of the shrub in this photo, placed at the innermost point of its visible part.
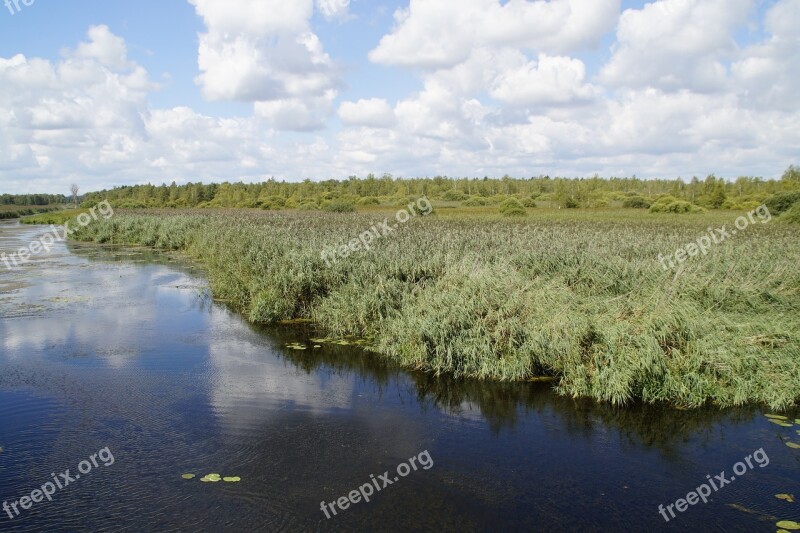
(476, 201)
(792, 216)
(670, 204)
(340, 206)
(512, 208)
(678, 206)
(782, 201)
(636, 202)
(529, 202)
(455, 195)
(369, 200)
(274, 203)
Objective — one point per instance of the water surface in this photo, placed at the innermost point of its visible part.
(119, 348)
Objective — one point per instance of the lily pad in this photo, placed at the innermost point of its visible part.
(211, 478)
(318, 346)
(188, 476)
(235, 479)
(776, 417)
(793, 445)
(788, 497)
(788, 524)
(781, 423)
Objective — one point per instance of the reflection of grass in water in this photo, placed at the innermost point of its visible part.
(581, 297)
(502, 404)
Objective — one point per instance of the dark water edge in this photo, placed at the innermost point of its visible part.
(119, 348)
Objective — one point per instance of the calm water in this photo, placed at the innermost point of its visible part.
(122, 349)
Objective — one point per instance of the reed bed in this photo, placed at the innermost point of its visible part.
(579, 297)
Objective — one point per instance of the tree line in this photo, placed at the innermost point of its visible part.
(711, 192)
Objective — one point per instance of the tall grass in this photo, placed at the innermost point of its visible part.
(17, 211)
(579, 296)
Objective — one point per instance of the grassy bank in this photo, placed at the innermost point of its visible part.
(576, 295)
(57, 217)
(16, 211)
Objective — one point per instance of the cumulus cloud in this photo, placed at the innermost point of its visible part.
(444, 33)
(374, 112)
(680, 92)
(549, 80)
(263, 51)
(676, 44)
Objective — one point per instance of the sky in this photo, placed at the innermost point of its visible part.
(106, 93)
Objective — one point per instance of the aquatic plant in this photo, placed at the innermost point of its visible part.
(577, 295)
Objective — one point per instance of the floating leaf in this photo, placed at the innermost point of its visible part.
(188, 476)
(776, 417)
(788, 497)
(211, 478)
(236, 479)
(780, 423)
(788, 524)
(793, 445)
(318, 346)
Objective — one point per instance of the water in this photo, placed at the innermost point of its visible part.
(123, 349)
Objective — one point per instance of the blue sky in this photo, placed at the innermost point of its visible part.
(110, 93)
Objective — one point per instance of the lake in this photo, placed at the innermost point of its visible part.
(119, 359)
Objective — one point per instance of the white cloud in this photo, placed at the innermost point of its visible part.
(444, 33)
(676, 44)
(682, 93)
(334, 9)
(263, 51)
(375, 112)
(550, 80)
(108, 49)
(768, 74)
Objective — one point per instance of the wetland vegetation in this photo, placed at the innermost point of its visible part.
(574, 294)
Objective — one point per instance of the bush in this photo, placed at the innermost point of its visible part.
(512, 208)
(529, 202)
(274, 203)
(678, 207)
(369, 200)
(782, 201)
(455, 195)
(636, 202)
(341, 206)
(792, 216)
(476, 201)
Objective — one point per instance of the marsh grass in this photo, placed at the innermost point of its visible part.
(58, 217)
(17, 211)
(578, 295)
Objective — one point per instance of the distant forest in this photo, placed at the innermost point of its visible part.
(32, 199)
(710, 193)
